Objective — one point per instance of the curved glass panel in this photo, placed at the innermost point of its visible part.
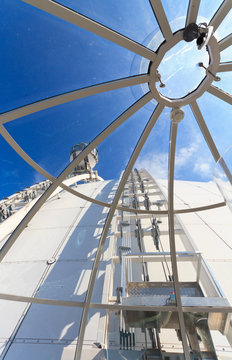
(135, 343)
(132, 19)
(207, 9)
(154, 155)
(118, 147)
(68, 59)
(223, 178)
(226, 55)
(205, 337)
(224, 27)
(216, 112)
(179, 63)
(190, 143)
(52, 323)
(69, 248)
(11, 170)
(225, 82)
(65, 125)
(176, 16)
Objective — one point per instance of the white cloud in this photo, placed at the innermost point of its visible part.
(186, 49)
(185, 154)
(203, 169)
(155, 163)
(183, 50)
(173, 74)
(189, 159)
(37, 178)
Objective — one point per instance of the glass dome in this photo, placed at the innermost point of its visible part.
(120, 77)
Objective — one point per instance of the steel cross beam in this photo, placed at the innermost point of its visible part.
(43, 172)
(104, 134)
(88, 24)
(171, 166)
(205, 131)
(71, 96)
(220, 94)
(225, 66)
(220, 14)
(209, 140)
(225, 43)
(192, 13)
(110, 215)
(113, 307)
(161, 18)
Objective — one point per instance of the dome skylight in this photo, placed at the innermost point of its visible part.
(171, 79)
(180, 71)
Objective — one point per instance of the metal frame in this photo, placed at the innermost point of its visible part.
(161, 18)
(106, 132)
(88, 24)
(171, 166)
(111, 307)
(43, 172)
(209, 139)
(192, 13)
(214, 59)
(154, 57)
(71, 96)
(122, 183)
(181, 256)
(220, 94)
(220, 14)
(227, 66)
(225, 43)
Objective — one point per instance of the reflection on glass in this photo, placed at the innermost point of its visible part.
(207, 9)
(180, 63)
(226, 55)
(225, 80)
(205, 334)
(157, 335)
(134, 22)
(175, 15)
(224, 28)
(222, 176)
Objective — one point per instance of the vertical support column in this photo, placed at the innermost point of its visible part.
(172, 149)
(198, 268)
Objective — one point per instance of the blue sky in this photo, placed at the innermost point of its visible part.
(42, 56)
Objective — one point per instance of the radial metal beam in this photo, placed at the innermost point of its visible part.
(112, 307)
(110, 215)
(88, 24)
(171, 166)
(208, 138)
(220, 94)
(72, 95)
(225, 43)
(105, 133)
(43, 172)
(205, 131)
(161, 18)
(200, 208)
(221, 14)
(179, 211)
(226, 66)
(192, 13)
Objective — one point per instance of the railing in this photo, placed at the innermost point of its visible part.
(203, 273)
(8, 206)
(13, 203)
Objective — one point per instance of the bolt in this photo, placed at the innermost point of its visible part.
(216, 78)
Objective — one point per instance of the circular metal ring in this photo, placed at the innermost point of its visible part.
(214, 60)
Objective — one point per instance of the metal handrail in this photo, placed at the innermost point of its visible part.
(180, 255)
